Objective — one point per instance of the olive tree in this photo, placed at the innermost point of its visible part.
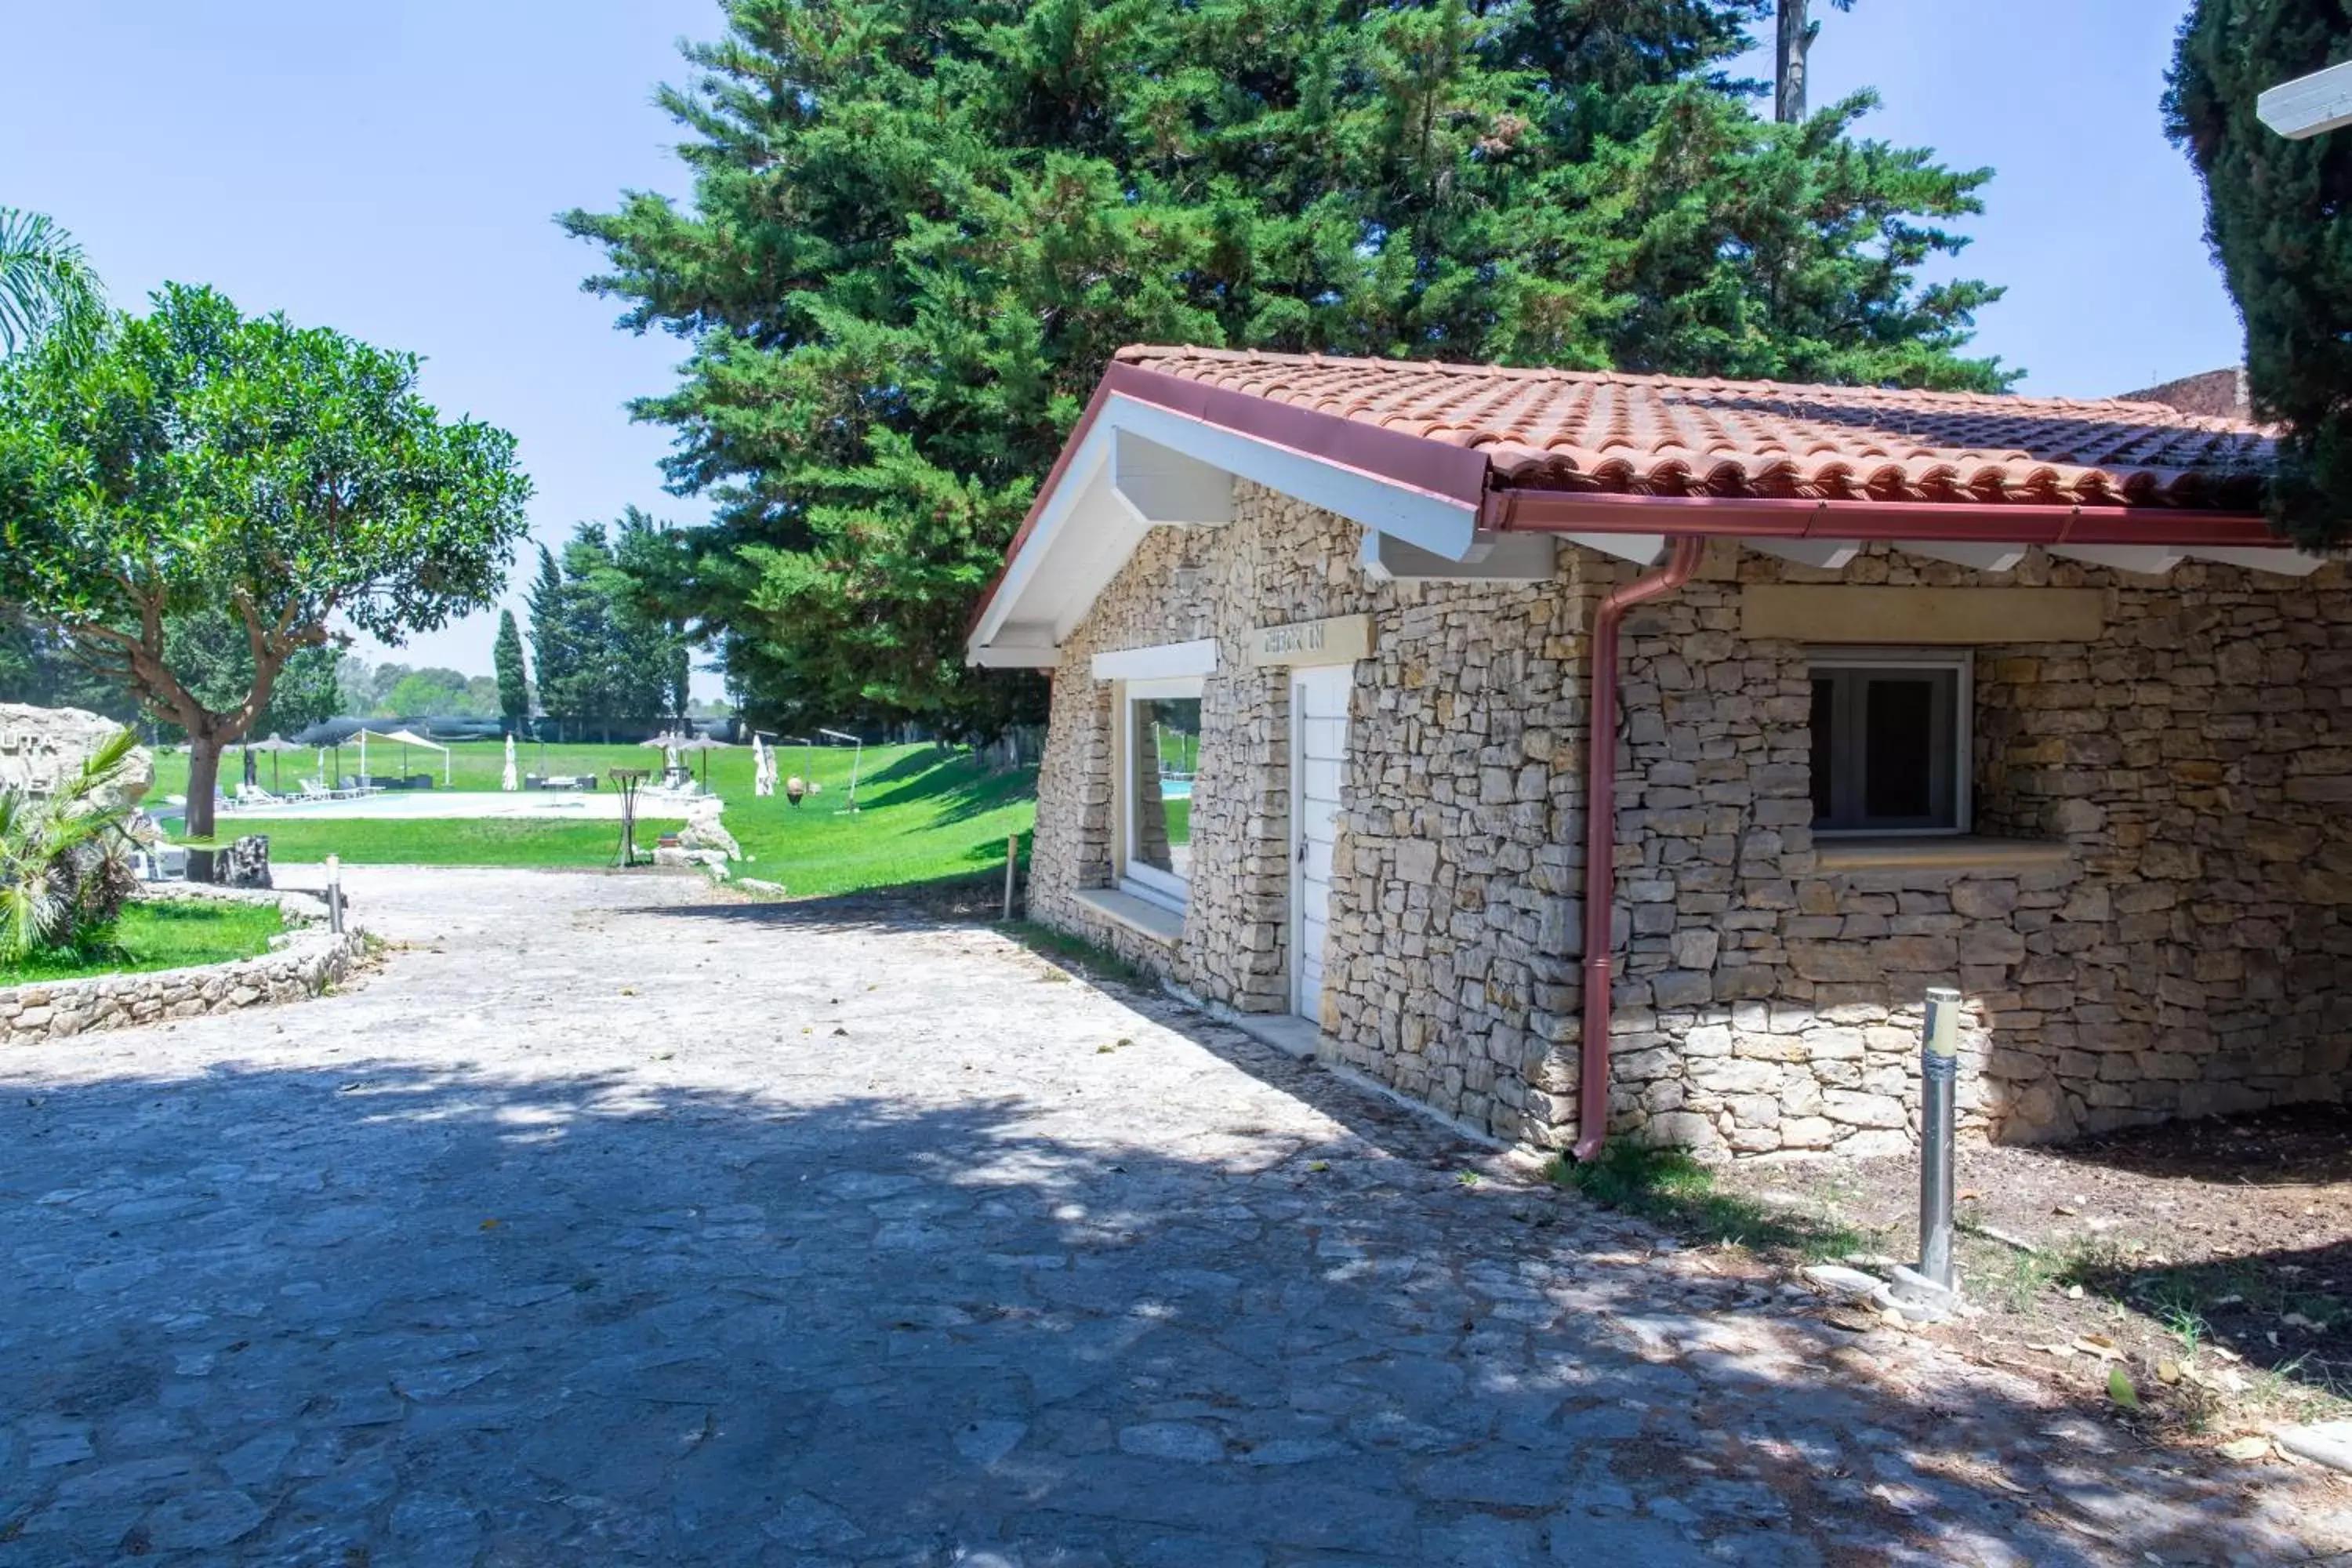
(198, 460)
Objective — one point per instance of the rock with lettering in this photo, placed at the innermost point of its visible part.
(42, 747)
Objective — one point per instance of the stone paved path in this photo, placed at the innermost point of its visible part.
(616, 1223)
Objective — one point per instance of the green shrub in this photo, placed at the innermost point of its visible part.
(65, 862)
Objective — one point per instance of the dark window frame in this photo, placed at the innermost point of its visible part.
(1850, 673)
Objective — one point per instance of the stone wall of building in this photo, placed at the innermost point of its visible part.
(2179, 944)
(1451, 964)
(2190, 951)
(304, 961)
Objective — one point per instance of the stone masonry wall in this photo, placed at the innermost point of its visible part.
(306, 961)
(2187, 952)
(2190, 952)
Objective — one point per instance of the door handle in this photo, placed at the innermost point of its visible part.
(1302, 851)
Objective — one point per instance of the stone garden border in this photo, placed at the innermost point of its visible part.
(302, 962)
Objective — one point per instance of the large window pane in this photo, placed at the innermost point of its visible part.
(1899, 747)
(1164, 738)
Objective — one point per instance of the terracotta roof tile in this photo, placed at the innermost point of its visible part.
(1583, 431)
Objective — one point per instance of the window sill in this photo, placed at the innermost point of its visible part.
(1144, 919)
(1959, 854)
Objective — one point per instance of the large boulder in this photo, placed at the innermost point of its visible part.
(703, 830)
(41, 747)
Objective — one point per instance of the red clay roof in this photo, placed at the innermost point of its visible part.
(1647, 435)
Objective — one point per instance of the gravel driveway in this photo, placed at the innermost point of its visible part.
(615, 1221)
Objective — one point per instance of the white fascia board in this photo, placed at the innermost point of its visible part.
(1496, 558)
(1826, 553)
(1100, 538)
(1984, 555)
(1014, 656)
(1641, 549)
(2150, 560)
(1160, 485)
(1437, 524)
(2308, 105)
(2285, 562)
(1085, 468)
(1159, 662)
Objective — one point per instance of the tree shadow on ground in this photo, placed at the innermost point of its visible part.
(2267, 1271)
(958, 785)
(714, 1308)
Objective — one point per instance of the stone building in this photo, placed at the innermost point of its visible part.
(1895, 689)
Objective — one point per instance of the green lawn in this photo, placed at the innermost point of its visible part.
(165, 934)
(924, 814)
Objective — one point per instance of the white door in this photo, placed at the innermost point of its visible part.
(1318, 761)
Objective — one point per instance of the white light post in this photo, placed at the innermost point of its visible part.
(854, 758)
(335, 894)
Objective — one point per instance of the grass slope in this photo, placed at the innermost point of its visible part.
(924, 815)
(163, 935)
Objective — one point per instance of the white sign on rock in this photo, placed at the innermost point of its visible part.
(40, 747)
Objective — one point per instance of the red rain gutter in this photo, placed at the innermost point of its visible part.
(1601, 834)
(2009, 522)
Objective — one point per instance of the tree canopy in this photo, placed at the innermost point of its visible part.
(602, 660)
(921, 229)
(197, 461)
(2279, 215)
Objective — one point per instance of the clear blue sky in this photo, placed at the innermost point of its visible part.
(392, 171)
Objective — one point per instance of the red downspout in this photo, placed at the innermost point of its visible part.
(1601, 834)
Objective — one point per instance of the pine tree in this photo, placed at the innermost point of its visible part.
(2279, 215)
(921, 228)
(514, 687)
(601, 661)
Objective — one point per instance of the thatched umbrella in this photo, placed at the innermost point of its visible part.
(706, 745)
(276, 746)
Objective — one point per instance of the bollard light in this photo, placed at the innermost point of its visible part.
(335, 894)
(1939, 1071)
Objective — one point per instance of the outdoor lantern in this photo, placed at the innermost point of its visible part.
(335, 894)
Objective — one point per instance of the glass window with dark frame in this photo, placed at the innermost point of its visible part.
(1887, 748)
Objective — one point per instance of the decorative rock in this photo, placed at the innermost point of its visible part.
(40, 747)
(703, 830)
(1840, 1280)
(2326, 1443)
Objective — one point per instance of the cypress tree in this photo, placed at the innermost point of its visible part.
(514, 686)
(921, 229)
(2277, 217)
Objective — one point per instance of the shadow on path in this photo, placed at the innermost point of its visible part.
(397, 1310)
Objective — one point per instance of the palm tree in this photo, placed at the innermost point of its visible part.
(64, 861)
(46, 286)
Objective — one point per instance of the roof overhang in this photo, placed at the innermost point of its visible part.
(1154, 450)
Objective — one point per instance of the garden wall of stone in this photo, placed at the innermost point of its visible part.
(304, 962)
(2174, 937)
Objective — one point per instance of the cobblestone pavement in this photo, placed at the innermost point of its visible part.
(615, 1222)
